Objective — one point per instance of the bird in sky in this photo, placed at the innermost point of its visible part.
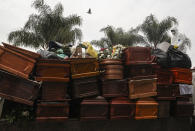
(89, 11)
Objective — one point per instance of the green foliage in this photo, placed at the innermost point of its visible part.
(47, 25)
(156, 32)
(114, 36)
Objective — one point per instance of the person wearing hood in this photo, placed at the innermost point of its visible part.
(178, 40)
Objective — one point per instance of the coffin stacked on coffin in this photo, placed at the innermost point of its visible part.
(142, 81)
(16, 66)
(115, 90)
(183, 106)
(85, 88)
(53, 102)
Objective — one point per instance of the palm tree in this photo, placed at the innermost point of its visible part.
(47, 25)
(118, 36)
(156, 32)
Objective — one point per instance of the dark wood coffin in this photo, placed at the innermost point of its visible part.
(137, 55)
(139, 70)
(112, 69)
(182, 109)
(146, 108)
(163, 109)
(181, 75)
(83, 65)
(94, 109)
(164, 76)
(18, 89)
(114, 88)
(140, 87)
(85, 86)
(24, 52)
(54, 91)
(52, 111)
(164, 92)
(122, 108)
(52, 70)
(15, 62)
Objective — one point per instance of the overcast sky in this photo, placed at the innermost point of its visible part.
(119, 13)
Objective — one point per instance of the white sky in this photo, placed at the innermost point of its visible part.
(119, 13)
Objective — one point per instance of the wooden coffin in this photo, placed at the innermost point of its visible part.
(181, 75)
(146, 109)
(163, 109)
(112, 69)
(24, 52)
(137, 55)
(16, 63)
(83, 65)
(122, 108)
(182, 109)
(54, 91)
(94, 109)
(164, 76)
(143, 87)
(18, 89)
(52, 111)
(114, 88)
(164, 92)
(52, 70)
(85, 86)
(139, 70)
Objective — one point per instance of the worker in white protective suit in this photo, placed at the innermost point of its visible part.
(178, 40)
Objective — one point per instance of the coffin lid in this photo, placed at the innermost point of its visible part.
(111, 62)
(122, 100)
(53, 61)
(146, 100)
(82, 60)
(83, 75)
(22, 51)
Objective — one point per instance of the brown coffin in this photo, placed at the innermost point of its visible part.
(54, 91)
(146, 109)
(137, 55)
(165, 92)
(52, 111)
(112, 69)
(24, 52)
(122, 108)
(114, 88)
(16, 63)
(163, 109)
(85, 86)
(18, 89)
(143, 87)
(181, 75)
(139, 70)
(94, 109)
(83, 65)
(52, 70)
(182, 109)
(164, 76)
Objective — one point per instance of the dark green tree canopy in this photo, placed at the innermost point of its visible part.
(114, 36)
(156, 32)
(48, 24)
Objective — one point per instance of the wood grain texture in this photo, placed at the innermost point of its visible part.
(18, 89)
(16, 63)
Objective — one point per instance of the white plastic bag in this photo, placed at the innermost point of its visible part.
(185, 89)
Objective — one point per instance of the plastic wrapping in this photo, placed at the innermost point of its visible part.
(177, 58)
(161, 57)
(185, 89)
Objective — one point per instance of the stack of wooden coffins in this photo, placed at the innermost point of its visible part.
(134, 87)
(142, 81)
